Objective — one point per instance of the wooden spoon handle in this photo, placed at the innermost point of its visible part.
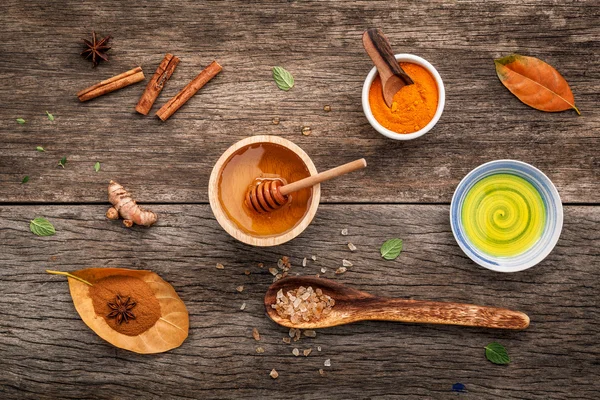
(393, 77)
(323, 176)
(431, 312)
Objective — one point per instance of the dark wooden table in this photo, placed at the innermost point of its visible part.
(46, 351)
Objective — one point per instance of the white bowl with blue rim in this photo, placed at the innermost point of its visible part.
(553, 216)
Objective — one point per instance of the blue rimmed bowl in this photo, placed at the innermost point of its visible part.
(553, 213)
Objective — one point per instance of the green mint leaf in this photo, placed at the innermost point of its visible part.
(97, 166)
(25, 179)
(50, 116)
(42, 227)
(283, 79)
(20, 121)
(496, 353)
(40, 148)
(391, 249)
(62, 162)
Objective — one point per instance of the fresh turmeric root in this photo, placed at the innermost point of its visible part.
(125, 207)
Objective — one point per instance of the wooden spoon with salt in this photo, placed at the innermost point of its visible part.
(393, 77)
(353, 305)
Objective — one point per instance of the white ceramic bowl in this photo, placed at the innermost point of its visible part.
(404, 136)
(552, 228)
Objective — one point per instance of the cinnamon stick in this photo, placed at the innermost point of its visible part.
(189, 90)
(156, 84)
(112, 84)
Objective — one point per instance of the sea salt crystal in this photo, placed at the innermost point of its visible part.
(255, 334)
(296, 352)
(340, 270)
(220, 266)
(274, 374)
(243, 307)
(323, 270)
(273, 271)
(344, 232)
(351, 247)
(304, 260)
(240, 289)
(346, 263)
(321, 372)
(310, 333)
(314, 258)
(306, 352)
(327, 363)
(319, 348)
(260, 350)
(287, 340)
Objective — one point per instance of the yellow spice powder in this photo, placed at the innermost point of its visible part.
(413, 106)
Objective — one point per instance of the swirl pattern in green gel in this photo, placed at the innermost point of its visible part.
(503, 215)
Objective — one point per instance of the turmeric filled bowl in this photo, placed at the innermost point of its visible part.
(415, 109)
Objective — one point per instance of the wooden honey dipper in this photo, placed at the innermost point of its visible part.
(269, 195)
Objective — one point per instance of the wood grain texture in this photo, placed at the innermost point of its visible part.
(48, 352)
(320, 43)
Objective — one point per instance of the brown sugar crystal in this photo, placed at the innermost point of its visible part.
(146, 311)
(303, 304)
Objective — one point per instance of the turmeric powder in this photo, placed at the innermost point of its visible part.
(413, 106)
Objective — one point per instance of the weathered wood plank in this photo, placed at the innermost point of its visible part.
(319, 41)
(47, 351)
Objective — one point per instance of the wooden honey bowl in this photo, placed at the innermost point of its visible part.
(229, 183)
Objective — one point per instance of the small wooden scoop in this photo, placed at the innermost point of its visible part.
(269, 195)
(393, 77)
(352, 305)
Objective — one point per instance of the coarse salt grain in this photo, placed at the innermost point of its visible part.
(304, 261)
(273, 271)
(340, 270)
(327, 363)
(255, 334)
(323, 270)
(287, 340)
(243, 307)
(296, 352)
(351, 247)
(306, 352)
(274, 374)
(260, 265)
(247, 272)
(310, 333)
(346, 263)
(318, 348)
(314, 258)
(240, 289)
(220, 266)
(321, 372)
(344, 232)
(302, 305)
(260, 350)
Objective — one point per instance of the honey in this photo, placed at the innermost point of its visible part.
(263, 161)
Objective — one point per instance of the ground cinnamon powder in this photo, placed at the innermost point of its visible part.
(413, 106)
(147, 308)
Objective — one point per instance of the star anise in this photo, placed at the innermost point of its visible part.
(96, 49)
(121, 309)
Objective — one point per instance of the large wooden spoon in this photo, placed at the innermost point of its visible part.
(393, 77)
(353, 305)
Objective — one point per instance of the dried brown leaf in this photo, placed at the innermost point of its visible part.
(169, 331)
